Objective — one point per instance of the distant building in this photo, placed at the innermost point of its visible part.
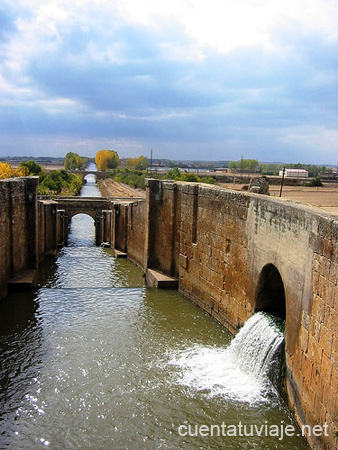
(294, 173)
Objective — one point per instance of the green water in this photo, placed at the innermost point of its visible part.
(94, 360)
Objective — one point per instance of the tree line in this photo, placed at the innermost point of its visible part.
(55, 182)
(253, 166)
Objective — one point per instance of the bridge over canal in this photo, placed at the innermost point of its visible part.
(101, 209)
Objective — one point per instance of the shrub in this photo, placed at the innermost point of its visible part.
(316, 182)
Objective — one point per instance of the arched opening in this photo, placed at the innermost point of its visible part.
(270, 294)
(90, 179)
(82, 230)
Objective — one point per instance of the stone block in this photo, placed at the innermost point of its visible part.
(183, 259)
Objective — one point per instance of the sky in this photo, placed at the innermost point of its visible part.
(190, 79)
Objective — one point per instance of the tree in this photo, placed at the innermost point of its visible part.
(174, 174)
(249, 165)
(131, 163)
(31, 168)
(6, 171)
(188, 176)
(74, 161)
(142, 163)
(106, 159)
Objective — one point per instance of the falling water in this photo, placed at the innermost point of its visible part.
(248, 370)
(259, 347)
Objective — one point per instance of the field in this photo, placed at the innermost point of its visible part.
(325, 197)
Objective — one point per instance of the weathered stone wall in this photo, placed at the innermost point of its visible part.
(163, 217)
(47, 228)
(41, 234)
(313, 366)
(214, 270)
(225, 241)
(18, 228)
(121, 227)
(50, 227)
(5, 237)
(137, 233)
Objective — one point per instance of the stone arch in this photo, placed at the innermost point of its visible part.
(92, 214)
(88, 177)
(270, 292)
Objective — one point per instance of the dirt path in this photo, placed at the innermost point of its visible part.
(111, 188)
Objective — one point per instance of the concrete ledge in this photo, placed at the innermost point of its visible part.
(28, 279)
(119, 254)
(159, 280)
(105, 245)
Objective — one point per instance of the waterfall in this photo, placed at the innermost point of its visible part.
(259, 346)
(248, 370)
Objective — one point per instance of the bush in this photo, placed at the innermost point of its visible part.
(188, 176)
(59, 182)
(133, 179)
(316, 182)
(208, 180)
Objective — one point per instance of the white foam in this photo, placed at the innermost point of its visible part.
(238, 372)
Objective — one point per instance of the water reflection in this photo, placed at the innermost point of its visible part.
(21, 350)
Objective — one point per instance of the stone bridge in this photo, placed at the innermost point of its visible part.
(99, 175)
(99, 208)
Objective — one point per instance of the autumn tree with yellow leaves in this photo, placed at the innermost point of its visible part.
(6, 171)
(140, 163)
(106, 159)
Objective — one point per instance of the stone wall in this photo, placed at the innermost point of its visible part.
(121, 224)
(18, 229)
(163, 219)
(137, 232)
(227, 247)
(47, 238)
(313, 367)
(5, 237)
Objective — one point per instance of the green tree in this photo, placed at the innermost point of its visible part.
(74, 161)
(188, 176)
(31, 167)
(250, 165)
(142, 163)
(174, 174)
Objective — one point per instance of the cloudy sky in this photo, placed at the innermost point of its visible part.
(192, 79)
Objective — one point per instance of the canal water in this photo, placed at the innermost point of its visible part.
(94, 360)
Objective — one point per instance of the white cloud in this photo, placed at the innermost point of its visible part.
(314, 138)
(225, 25)
(178, 71)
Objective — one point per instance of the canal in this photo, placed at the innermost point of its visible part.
(94, 360)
